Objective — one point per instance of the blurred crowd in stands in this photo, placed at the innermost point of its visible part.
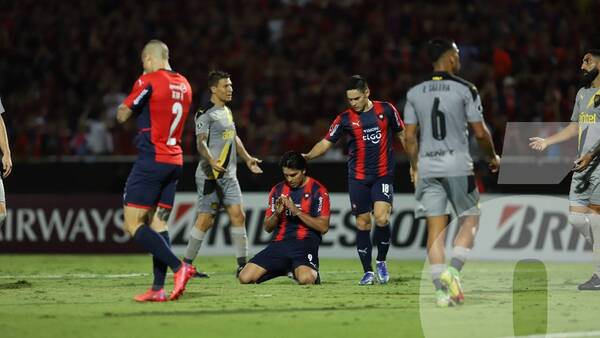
(66, 65)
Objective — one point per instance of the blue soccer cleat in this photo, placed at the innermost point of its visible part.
(382, 273)
(367, 279)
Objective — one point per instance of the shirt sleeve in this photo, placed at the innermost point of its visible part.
(473, 107)
(202, 121)
(410, 116)
(335, 130)
(1, 107)
(140, 93)
(396, 122)
(576, 110)
(321, 204)
(271, 206)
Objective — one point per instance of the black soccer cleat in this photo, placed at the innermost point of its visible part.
(239, 269)
(591, 285)
(199, 274)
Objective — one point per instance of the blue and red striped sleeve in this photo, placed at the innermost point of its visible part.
(140, 93)
(396, 124)
(271, 206)
(335, 130)
(321, 204)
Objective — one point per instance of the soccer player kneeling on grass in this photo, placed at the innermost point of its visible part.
(299, 214)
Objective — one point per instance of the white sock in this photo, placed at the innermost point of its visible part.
(194, 244)
(240, 243)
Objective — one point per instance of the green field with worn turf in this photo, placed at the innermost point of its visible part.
(91, 296)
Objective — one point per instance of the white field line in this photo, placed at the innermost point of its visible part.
(132, 275)
(562, 335)
(76, 275)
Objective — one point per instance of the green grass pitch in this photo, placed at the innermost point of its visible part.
(91, 296)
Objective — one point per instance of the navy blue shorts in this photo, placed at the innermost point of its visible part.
(364, 193)
(283, 256)
(151, 184)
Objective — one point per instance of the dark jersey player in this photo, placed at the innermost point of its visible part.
(372, 127)
(298, 212)
(160, 102)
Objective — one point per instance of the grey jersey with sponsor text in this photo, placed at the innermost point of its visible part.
(442, 106)
(217, 123)
(586, 111)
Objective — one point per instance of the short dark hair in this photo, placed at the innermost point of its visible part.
(437, 47)
(357, 82)
(215, 75)
(292, 160)
(594, 51)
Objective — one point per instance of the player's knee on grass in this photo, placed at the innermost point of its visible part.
(248, 275)
(305, 275)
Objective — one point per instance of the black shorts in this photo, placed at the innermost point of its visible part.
(364, 193)
(150, 184)
(284, 256)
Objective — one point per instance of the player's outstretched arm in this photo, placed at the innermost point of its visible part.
(203, 150)
(539, 144)
(486, 144)
(123, 113)
(318, 149)
(5, 148)
(251, 161)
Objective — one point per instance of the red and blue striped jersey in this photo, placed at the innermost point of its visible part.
(160, 102)
(371, 134)
(312, 198)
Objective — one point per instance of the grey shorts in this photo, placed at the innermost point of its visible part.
(215, 193)
(433, 195)
(585, 189)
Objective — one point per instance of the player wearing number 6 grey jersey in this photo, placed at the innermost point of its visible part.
(584, 196)
(442, 108)
(216, 181)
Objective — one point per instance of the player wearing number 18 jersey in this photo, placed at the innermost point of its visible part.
(371, 127)
(443, 107)
(160, 101)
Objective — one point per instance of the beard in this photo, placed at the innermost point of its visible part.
(588, 77)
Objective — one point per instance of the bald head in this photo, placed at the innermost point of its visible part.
(156, 49)
(155, 56)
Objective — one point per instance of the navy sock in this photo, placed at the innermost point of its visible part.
(382, 240)
(159, 267)
(364, 248)
(156, 245)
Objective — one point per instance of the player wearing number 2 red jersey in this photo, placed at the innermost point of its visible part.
(160, 101)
